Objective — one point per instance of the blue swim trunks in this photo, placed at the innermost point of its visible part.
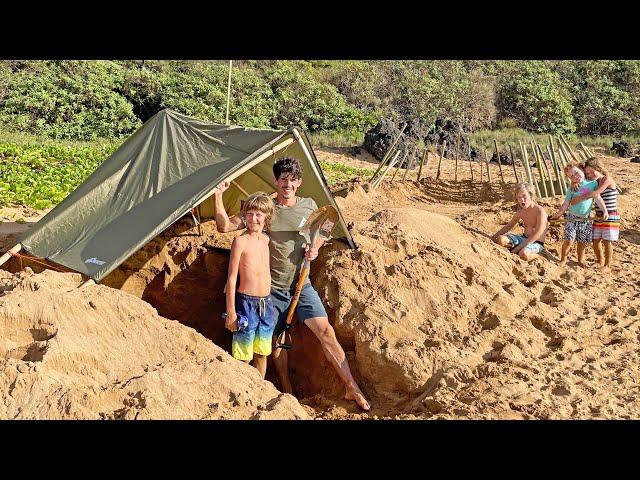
(256, 337)
(533, 247)
(309, 305)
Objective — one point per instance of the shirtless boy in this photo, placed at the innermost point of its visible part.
(534, 217)
(250, 314)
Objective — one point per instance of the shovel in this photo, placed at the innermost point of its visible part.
(319, 225)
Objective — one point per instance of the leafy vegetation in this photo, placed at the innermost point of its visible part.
(41, 176)
(61, 118)
(338, 172)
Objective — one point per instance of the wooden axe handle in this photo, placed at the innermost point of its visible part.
(296, 296)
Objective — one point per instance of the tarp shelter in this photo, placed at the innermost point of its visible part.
(169, 165)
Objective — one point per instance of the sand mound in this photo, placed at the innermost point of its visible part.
(101, 353)
(444, 323)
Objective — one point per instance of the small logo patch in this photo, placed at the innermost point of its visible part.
(94, 260)
(302, 222)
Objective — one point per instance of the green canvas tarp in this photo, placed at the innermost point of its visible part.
(169, 165)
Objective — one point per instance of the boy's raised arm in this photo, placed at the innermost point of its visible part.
(223, 222)
(232, 276)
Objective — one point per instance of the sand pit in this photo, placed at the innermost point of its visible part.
(437, 322)
(101, 353)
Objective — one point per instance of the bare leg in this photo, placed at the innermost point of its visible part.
(597, 249)
(566, 245)
(280, 361)
(527, 256)
(260, 362)
(608, 253)
(334, 353)
(581, 247)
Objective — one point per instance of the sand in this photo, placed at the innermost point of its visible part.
(437, 322)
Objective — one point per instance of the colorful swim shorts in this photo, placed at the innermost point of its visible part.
(256, 337)
(607, 229)
(533, 247)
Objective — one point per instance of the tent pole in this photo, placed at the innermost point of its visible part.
(235, 184)
(15, 249)
(91, 281)
(226, 121)
(324, 187)
(250, 165)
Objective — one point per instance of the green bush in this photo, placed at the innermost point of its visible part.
(67, 99)
(536, 97)
(606, 96)
(300, 99)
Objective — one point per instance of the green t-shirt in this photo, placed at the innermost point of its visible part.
(582, 208)
(286, 247)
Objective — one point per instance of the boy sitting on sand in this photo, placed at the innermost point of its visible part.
(534, 217)
(250, 314)
(577, 227)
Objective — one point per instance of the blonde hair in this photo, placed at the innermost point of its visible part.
(569, 166)
(524, 186)
(261, 202)
(596, 164)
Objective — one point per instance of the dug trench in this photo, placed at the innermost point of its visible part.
(182, 274)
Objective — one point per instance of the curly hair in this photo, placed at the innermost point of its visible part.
(288, 166)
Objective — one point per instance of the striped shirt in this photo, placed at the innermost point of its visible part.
(610, 198)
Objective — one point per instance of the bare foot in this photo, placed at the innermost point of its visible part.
(358, 397)
(563, 263)
(604, 269)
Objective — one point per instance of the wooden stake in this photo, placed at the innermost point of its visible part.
(569, 150)
(457, 148)
(470, 166)
(587, 151)
(444, 146)
(410, 162)
(425, 153)
(556, 168)
(499, 162)
(15, 249)
(399, 165)
(388, 154)
(547, 171)
(486, 159)
(540, 170)
(527, 167)
(393, 161)
(513, 162)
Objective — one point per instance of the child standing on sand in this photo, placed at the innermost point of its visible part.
(250, 314)
(577, 226)
(529, 245)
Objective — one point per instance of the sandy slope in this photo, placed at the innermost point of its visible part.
(436, 320)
